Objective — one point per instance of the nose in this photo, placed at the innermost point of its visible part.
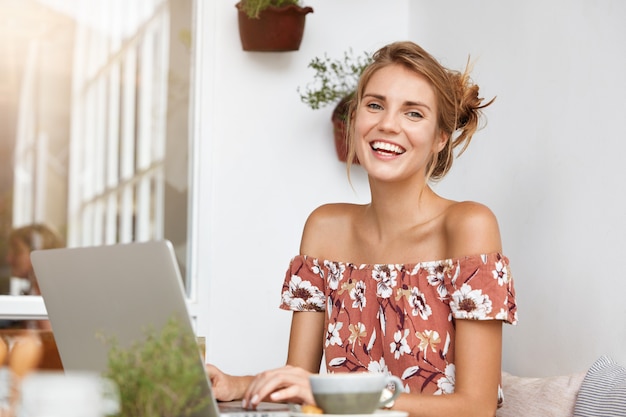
(388, 122)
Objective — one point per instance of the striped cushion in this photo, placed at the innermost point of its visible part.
(603, 391)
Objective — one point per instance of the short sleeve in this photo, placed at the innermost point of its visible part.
(303, 288)
(482, 288)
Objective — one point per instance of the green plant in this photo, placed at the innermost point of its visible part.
(334, 79)
(159, 376)
(252, 8)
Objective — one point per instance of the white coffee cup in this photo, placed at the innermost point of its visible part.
(352, 392)
(69, 394)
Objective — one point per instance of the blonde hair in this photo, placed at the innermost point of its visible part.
(37, 236)
(458, 104)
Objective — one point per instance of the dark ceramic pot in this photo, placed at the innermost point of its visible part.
(277, 28)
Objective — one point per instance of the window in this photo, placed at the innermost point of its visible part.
(97, 130)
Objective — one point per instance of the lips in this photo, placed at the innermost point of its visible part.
(387, 148)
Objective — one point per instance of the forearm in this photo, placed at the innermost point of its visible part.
(240, 384)
(449, 405)
(305, 346)
(227, 387)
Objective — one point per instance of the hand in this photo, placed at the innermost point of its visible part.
(286, 384)
(226, 387)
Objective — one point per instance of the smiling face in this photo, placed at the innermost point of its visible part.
(395, 126)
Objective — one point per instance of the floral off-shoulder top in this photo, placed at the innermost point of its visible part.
(400, 319)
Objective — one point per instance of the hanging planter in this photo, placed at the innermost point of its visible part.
(335, 81)
(271, 28)
(339, 119)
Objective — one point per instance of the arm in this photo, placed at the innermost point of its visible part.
(470, 229)
(291, 382)
(282, 384)
(305, 341)
(227, 387)
(478, 356)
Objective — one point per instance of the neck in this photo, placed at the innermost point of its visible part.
(397, 206)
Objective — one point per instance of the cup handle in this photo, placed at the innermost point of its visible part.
(398, 388)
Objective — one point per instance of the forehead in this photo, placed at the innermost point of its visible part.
(400, 81)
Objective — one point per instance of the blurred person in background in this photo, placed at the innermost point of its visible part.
(22, 241)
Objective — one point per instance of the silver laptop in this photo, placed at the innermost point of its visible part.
(119, 291)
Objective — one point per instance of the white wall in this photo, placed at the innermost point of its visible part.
(547, 163)
(267, 161)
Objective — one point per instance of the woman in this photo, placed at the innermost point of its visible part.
(412, 283)
(22, 241)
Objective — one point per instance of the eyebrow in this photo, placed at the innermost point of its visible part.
(406, 103)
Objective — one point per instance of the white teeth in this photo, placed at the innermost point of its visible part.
(387, 147)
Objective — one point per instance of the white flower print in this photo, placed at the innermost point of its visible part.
(382, 319)
(378, 366)
(370, 344)
(385, 276)
(446, 383)
(457, 272)
(400, 346)
(357, 294)
(335, 362)
(410, 371)
(302, 296)
(503, 314)
(436, 276)
(416, 269)
(332, 336)
(501, 273)
(470, 304)
(335, 272)
(417, 301)
(446, 345)
(317, 269)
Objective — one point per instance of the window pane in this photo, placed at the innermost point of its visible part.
(95, 127)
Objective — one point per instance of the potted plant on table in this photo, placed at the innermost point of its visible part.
(158, 376)
(335, 81)
(271, 25)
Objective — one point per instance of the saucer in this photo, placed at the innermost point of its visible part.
(378, 413)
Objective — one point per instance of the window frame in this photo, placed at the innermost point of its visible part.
(33, 307)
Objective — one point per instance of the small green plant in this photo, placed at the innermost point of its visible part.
(159, 376)
(252, 8)
(334, 79)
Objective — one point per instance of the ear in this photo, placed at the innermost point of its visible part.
(440, 141)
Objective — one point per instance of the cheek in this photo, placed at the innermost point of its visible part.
(360, 131)
(359, 128)
(23, 261)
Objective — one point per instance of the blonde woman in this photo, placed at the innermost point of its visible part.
(22, 241)
(412, 284)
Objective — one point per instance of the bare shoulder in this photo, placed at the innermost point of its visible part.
(326, 227)
(471, 228)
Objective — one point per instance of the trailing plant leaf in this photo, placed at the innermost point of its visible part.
(252, 8)
(334, 79)
(159, 376)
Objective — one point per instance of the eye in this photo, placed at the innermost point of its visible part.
(414, 115)
(374, 106)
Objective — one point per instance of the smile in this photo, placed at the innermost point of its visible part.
(387, 148)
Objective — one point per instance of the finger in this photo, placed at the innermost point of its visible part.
(293, 394)
(271, 381)
(261, 386)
